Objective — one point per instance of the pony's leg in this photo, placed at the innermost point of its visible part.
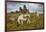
(28, 21)
(21, 22)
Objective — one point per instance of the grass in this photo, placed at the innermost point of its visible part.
(36, 22)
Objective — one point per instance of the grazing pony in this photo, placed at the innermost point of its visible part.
(24, 17)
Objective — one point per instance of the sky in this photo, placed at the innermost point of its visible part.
(29, 0)
(32, 7)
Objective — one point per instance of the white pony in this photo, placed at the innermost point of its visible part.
(24, 17)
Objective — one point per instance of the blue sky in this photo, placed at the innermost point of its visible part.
(13, 6)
